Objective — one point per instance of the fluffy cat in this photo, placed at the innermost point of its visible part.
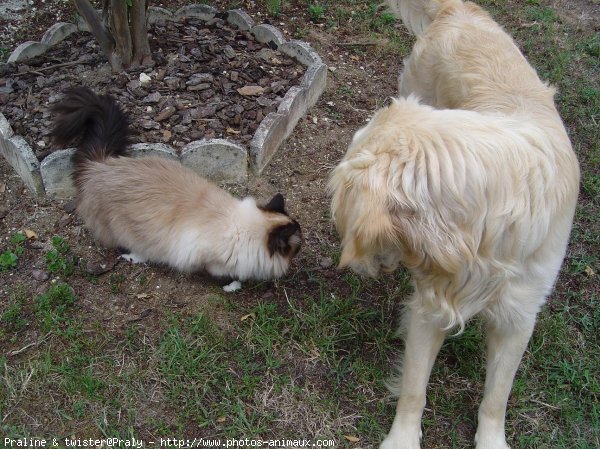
(160, 210)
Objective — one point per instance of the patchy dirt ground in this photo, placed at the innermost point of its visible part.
(358, 84)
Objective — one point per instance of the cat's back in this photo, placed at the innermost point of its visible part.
(144, 197)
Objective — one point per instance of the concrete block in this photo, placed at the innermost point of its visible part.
(217, 159)
(152, 149)
(6, 132)
(268, 34)
(314, 81)
(20, 156)
(202, 12)
(293, 106)
(156, 14)
(240, 19)
(27, 50)
(56, 170)
(267, 139)
(301, 51)
(58, 32)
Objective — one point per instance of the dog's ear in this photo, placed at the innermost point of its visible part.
(277, 204)
(285, 239)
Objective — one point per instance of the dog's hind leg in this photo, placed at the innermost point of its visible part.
(506, 344)
(423, 341)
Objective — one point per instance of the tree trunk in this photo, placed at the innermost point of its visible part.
(120, 30)
(104, 38)
(139, 34)
(124, 39)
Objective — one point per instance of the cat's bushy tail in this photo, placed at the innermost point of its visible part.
(418, 14)
(95, 122)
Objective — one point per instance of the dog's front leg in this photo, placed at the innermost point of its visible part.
(505, 348)
(423, 341)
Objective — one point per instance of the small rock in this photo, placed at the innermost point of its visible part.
(326, 262)
(251, 90)
(172, 82)
(70, 206)
(149, 124)
(229, 52)
(180, 129)
(198, 78)
(65, 220)
(133, 84)
(198, 87)
(99, 267)
(3, 211)
(165, 113)
(40, 275)
(153, 98)
(144, 79)
(203, 112)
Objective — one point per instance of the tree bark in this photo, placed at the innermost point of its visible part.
(104, 38)
(139, 33)
(120, 31)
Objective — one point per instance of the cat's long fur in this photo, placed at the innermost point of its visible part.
(160, 210)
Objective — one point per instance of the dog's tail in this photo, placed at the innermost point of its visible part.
(418, 14)
(96, 122)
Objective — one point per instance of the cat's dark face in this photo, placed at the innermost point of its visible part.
(284, 238)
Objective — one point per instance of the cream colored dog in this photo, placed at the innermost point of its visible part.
(469, 180)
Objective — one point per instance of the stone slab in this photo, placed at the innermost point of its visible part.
(301, 51)
(6, 132)
(240, 19)
(56, 170)
(58, 32)
(27, 50)
(157, 14)
(202, 12)
(271, 132)
(315, 82)
(152, 149)
(20, 156)
(268, 34)
(217, 159)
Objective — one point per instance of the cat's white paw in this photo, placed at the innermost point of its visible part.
(233, 287)
(133, 258)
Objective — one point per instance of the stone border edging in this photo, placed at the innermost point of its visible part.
(217, 159)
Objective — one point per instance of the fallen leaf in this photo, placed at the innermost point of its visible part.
(142, 296)
(232, 131)
(589, 271)
(221, 419)
(31, 235)
(251, 90)
(354, 58)
(245, 317)
(352, 438)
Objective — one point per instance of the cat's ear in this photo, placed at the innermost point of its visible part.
(277, 204)
(285, 239)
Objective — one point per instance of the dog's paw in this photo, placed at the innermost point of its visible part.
(400, 443)
(490, 442)
(133, 258)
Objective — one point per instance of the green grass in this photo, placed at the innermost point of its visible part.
(10, 256)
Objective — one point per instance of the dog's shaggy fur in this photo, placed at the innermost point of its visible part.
(469, 180)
